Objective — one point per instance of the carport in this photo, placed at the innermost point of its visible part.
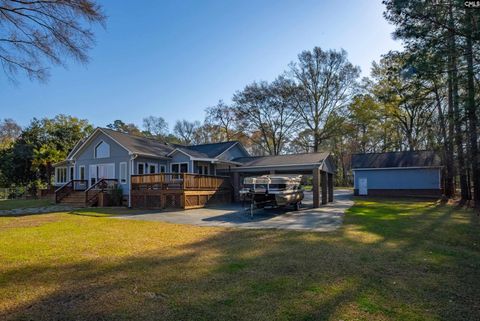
(319, 165)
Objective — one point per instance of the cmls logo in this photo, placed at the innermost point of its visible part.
(472, 4)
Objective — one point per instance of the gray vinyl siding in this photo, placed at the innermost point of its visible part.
(179, 157)
(117, 155)
(234, 152)
(155, 161)
(415, 178)
(211, 167)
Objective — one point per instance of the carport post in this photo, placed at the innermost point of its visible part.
(316, 187)
(236, 187)
(330, 187)
(324, 183)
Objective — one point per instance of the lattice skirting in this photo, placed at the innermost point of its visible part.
(159, 199)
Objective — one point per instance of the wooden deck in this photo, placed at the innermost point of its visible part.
(179, 190)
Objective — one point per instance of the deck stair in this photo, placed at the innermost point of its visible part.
(74, 199)
(76, 193)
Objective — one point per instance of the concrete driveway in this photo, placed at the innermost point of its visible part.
(326, 218)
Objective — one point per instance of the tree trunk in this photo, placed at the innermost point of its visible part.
(49, 175)
(456, 111)
(471, 113)
(316, 141)
(448, 150)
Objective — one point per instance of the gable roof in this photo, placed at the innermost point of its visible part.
(423, 158)
(206, 150)
(133, 144)
(291, 159)
(139, 145)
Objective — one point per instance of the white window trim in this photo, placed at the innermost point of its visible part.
(152, 164)
(179, 165)
(56, 175)
(138, 165)
(205, 167)
(120, 173)
(71, 172)
(96, 168)
(80, 172)
(95, 150)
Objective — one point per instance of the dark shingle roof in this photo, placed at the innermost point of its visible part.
(397, 159)
(294, 159)
(206, 150)
(140, 145)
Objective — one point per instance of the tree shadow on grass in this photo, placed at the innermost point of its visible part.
(263, 275)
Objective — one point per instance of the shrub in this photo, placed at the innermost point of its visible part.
(116, 196)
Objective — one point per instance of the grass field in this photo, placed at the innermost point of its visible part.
(392, 260)
(12, 204)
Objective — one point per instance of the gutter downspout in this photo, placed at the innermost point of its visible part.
(132, 158)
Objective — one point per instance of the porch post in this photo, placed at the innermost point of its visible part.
(316, 187)
(330, 187)
(324, 186)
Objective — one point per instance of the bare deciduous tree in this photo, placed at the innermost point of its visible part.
(265, 111)
(9, 132)
(224, 117)
(35, 33)
(326, 81)
(186, 131)
(155, 126)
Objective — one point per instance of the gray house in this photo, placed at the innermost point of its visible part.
(192, 175)
(111, 154)
(411, 173)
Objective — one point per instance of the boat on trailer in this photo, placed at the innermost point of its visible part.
(272, 191)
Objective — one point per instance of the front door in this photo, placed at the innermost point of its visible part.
(106, 171)
(362, 188)
(97, 172)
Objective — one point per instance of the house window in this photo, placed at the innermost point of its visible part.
(162, 169)
(123, 173)
(140, 169)
(180, 168)
(202, 169)
(102, 150)
(152, 168)
(81, 174)
(184, 168)
(61, 175)
(71, 173)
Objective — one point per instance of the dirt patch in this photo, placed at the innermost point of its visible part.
(29, 221)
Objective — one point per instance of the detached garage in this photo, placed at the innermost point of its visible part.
(413, 173)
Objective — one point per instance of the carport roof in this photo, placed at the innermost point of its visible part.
(292, 162)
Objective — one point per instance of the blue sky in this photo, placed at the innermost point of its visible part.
(175, 58)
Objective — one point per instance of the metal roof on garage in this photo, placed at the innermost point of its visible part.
(424, 158)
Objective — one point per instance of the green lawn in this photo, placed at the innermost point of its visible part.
(12, 204)
(392, 260)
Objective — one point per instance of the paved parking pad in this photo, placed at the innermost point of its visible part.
(326, 218)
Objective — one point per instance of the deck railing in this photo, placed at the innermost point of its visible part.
(69, 187)
(91, 193)
(182, 181)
